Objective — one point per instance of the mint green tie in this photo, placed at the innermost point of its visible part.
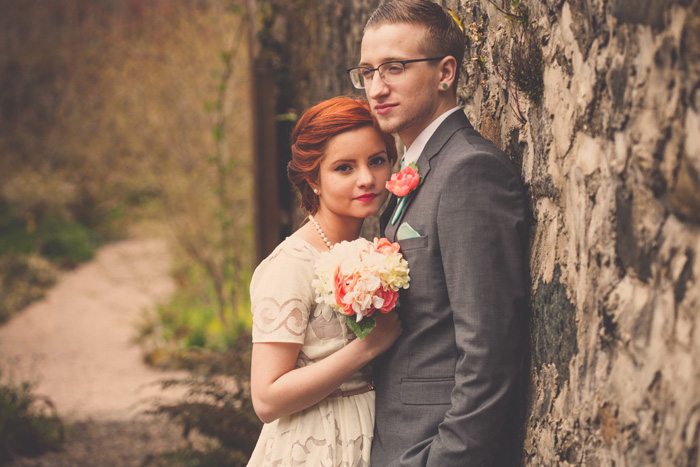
(402, 201)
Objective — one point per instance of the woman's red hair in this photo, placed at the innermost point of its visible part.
(316, 126)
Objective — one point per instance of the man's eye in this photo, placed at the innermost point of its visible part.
(366, 73)
(394, 69)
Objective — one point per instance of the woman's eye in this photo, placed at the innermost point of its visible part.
(378, 161)
(343, 168)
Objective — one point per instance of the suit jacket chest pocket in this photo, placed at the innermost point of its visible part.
(416, 251)
(413, 243)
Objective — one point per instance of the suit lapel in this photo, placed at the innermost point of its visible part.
(386, 215)
(453, 123)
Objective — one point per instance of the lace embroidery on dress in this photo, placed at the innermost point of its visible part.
(326, 326)
(334, 450)
(295, 252)
(273, 316)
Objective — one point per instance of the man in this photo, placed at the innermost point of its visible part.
(445, 387)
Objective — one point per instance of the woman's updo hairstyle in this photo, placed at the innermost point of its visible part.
(316, 126)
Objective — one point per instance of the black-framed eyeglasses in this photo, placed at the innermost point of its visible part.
(391, 72)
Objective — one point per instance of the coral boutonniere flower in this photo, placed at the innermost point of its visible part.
(402, 183)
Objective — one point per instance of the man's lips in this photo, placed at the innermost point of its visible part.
(366, 198)
(383, 109)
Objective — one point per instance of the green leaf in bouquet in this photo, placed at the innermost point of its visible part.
(362, 328)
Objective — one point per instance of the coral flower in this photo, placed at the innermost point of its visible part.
(390, 298)
(342, 286)
(404, 181)
(385, 247)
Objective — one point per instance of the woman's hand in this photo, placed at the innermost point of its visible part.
(278, 388)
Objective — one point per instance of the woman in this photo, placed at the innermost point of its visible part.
(306, 379)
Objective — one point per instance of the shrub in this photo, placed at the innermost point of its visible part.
(67, 243)
(216, 407)
(191, 323)
(23, 279)
(29, 425)
(526, 68)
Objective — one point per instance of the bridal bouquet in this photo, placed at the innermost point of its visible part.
(360, 277)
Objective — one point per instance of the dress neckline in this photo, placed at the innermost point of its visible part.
(299, 239)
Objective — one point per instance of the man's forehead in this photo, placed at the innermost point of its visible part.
(386, 42)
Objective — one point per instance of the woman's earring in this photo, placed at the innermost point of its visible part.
(317, 191)
(445, 86)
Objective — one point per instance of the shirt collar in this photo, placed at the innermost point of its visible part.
(414, 151)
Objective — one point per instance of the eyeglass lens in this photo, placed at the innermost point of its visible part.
(391, 73)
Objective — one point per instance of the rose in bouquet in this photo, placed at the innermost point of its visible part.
(360, 277)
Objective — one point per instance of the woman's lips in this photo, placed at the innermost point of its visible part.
(366, 198)
(383, 109)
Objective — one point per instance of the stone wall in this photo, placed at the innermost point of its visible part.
(611, 156)
(598, 103)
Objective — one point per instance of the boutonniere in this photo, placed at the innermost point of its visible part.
(401, 184)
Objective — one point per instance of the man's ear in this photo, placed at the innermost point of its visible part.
(448, 70)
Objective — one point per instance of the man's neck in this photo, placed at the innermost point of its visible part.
(409, 135)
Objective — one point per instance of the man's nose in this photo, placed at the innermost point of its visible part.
(376, 86)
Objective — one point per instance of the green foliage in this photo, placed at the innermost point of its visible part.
(29, 425)
(219, 409)
(23, 279)
(65, 243)
(192, 320)
(362, 328)
(14, 237)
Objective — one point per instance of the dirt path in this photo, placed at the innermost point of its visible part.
(76, 344)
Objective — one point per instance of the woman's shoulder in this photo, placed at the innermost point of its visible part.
(291, 259)
(293, 249)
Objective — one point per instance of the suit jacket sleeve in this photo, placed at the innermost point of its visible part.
(481, 232)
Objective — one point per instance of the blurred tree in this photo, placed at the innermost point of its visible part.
(108, 110)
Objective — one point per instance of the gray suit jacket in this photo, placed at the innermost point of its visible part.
(444, 387)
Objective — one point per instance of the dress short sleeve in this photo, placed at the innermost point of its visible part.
(282, 295)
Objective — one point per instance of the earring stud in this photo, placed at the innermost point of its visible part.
(317, 191)
(444, 86)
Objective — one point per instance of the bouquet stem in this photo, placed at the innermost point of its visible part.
(362, 328)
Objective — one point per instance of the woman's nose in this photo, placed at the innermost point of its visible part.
(365, 177)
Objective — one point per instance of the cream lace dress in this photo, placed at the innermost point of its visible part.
(337, 431)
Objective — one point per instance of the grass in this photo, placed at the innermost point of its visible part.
(189, 326)
(23, 279)
(29, 425)
(65, 243)
(217, 406)
(30, 256)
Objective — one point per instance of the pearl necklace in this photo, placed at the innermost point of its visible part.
(320, 231)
